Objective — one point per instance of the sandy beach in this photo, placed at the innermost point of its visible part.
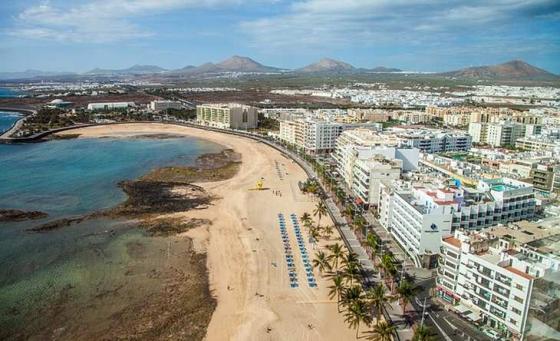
(248, 274)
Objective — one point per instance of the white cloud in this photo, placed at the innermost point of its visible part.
(98, 21)
(324, 23)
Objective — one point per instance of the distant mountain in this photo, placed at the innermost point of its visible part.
(28, 74)
(232, 64)
(133, 70)
(327, 65)
(515, 70)
(384, 69)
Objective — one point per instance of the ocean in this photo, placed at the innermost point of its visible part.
(8, 93)
(7, 119)
(81, 275)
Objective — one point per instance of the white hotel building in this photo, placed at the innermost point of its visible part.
(232, 115)
(316, 136)
(433, 140)
(418, 217)
(365, 158)
(479, 271)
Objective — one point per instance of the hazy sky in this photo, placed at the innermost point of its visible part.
(425, 35)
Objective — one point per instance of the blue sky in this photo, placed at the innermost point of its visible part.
(425, 35)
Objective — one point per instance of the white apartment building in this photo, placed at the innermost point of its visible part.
(110, 105)
(365, 158)
(161, 105)
(476, 270)
(405, 213)
(496, 134)
(316, 136)
(434, 141)
(368, 175)
(416, 218)
(234, 116)
(537, 143)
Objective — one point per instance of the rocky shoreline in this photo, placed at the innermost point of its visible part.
(162, 191)
(183, 307)
(9, 215)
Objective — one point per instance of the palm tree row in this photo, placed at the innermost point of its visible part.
(343, 268)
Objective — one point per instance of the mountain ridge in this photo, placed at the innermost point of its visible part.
(513, 69)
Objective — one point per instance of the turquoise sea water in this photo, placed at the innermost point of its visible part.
(7, 119)
(67, 178)
(8, 93)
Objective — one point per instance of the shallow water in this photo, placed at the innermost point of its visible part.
(79, 276)
(7, 119)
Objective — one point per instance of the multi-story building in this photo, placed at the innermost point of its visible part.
(317, 136)
(358, 151)
(413, 117)
(235, 116)
(456, 119)
(546, 176)
(538, 143)
(110, 105)
(370, 115)
(496, 201)
(161, 105)
(505, 278)
(434, 141)
(367, 175)
(475, 270)
(496, 134)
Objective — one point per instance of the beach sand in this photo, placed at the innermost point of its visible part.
(247, 271)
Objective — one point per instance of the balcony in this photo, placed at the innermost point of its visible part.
(503, 279)
(485, 272)
(499, 302)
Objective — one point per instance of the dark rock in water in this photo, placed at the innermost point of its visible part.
(53, 225)
(149, 197)
(18, 215)
(162, 227)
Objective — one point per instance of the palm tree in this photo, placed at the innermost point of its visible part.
(314, 233)
(352, 271)
(359, 224)
(351, 294)
(305, 218)
(348, 211)
(405, 293)
(387, 263)
(320, 211)
(422, 333)
(378, 300)
(328, 231)
(372, 241)
(308, 224)
(337, 254)
(321, 262)
(356, 313)
(336, 289)
(382, 331)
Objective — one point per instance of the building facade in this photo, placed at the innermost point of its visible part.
(110, 105)
(162, 105)
(406, 213)
(317, 136)
(476, 270)
(234, 116)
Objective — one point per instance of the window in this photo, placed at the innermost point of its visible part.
(513, 321)
(518, 299)
(518, 287)
(515, 310)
